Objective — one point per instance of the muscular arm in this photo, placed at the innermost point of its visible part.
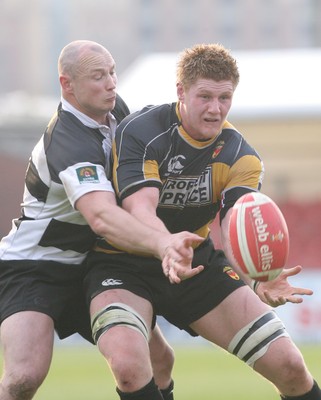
(116, 225)
(143, 205)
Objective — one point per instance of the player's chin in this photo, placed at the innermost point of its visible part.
(212, 129)
(208, 132)
(110, 104)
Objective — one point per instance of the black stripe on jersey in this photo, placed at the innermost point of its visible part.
(35, 185)
(65, 132)
(68, 142)
(67, 236)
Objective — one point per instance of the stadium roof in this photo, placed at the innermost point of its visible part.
(274, 83)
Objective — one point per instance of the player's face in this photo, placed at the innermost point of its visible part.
(204, 107)
(94, 87)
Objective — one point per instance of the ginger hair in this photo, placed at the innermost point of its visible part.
(207, 61)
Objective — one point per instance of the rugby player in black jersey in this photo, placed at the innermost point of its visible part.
(176, 166)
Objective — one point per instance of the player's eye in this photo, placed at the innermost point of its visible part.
(225, 97)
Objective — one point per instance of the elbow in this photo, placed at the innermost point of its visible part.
(98, 226)
(101, 213)
(106, 225)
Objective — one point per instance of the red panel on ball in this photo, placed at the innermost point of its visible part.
(259, 236)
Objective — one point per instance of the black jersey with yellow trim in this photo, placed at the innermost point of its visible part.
(196, 179)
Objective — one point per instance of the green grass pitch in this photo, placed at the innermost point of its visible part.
(201, 372)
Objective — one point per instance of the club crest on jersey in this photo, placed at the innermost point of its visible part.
(175, 166)
(228, 270)
(218, 149)
(87, 175)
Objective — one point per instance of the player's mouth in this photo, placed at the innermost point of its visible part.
(212, 120)
(111, 99)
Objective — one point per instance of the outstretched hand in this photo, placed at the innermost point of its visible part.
(279, 291)
(178, 256)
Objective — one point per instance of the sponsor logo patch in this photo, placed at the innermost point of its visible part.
(87, 175)
(187, 191)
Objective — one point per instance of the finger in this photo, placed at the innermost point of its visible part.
(179, 272)
(294, 299)
(173, 277)
(196, 270)
(274, 302)
(191, 239)
(166, 265)
(302, 292)
(173, 273)
(292, 271)
(277, 303)
(187, 274)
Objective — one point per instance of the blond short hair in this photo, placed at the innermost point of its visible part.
(207, 61)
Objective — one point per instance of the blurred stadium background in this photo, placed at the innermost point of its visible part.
(277, 105)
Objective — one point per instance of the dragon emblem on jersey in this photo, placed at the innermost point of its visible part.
(87, 174)
(174, 165)
(218, 149)
(229, 271)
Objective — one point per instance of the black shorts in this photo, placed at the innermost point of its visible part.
(181, 304)
(48, 287)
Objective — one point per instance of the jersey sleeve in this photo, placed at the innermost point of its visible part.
(75, 157)
(245, 175)
(84, 178)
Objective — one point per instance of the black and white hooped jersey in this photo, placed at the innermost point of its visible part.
(196, 179)
(68, 161)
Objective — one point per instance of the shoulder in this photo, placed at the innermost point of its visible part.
(66, 125)
(68, 141)
(120, 110)
(158, 117)
(148, 129)
(234, 144)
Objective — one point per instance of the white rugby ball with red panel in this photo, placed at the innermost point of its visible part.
(259, 236)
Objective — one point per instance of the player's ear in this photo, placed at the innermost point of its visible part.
(65, 83)
(180, 91)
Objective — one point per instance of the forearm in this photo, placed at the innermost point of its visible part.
(126, 232)
(117, 226)
(151, 220)
(145, 210)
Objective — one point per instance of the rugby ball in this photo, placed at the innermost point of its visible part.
(258, 236)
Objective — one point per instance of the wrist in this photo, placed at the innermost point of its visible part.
(254, 285)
